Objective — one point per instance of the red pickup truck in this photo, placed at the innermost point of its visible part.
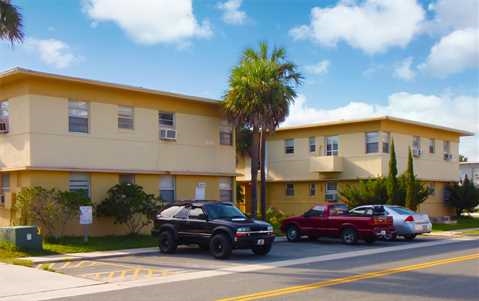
(334, 220)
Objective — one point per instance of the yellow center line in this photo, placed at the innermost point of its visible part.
(348, 279)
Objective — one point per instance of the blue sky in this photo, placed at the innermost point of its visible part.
(412, 59)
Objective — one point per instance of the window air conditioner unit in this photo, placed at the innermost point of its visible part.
(167, 134)
(416, 152)
(331, 197)
(3, 126)
(448, 157)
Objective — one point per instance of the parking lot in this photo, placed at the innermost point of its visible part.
(193, 259)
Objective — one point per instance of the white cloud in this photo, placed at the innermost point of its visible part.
(461, 112)
(451, 15)
(319, 68)
(372, 26)
(52, 52)
(454, 53)
(231, 12)
(403, 70)
(150, 21)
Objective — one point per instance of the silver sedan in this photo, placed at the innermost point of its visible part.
(407, 223)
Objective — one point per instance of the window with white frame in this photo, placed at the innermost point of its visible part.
(166, 119)
(4, 122)
(226, 136)
(372, 142)
(332, 146)
(432, 146)
(5, 187)
(226, 189)
(416, 146)
(80, 182)
(331, 192)
(289, 146)
(289, 189)
(167, 188)
(312, 144)
(125, 117)
(312, 189)
(78, 113)
(446, 145)
(126, 179)
(386, 138)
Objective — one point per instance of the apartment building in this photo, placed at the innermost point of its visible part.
(72, 133)
(471, 170)
(309, 164)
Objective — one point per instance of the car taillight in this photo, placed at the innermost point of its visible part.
(409, 219)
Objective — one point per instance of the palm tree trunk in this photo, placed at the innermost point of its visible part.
(254, 173)
(263, 174)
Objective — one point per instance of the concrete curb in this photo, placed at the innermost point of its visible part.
(90, 255)
(103, 254)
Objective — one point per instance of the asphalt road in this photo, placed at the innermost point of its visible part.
(294, 272)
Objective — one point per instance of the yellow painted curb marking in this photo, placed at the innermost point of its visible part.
(348, 279)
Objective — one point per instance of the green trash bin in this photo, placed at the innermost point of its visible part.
(22, 237)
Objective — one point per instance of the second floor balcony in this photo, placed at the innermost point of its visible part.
(326, 164)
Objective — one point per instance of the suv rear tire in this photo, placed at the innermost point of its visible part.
(262, 250)
(349, 236)
(167, 242)
(220, 246)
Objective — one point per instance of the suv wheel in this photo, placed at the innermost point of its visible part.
(220, 246)
(292, 233)
(349, 236)
(262, 250)
(167, 242)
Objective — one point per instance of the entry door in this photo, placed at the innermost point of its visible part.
(200, 191)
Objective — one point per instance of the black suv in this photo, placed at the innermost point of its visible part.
(216, 226)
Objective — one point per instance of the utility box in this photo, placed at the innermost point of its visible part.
(22, 237)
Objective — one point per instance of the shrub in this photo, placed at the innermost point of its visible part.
(366, 192)
(129, 205)
(275, 217)
(49, 209)
(463, 196)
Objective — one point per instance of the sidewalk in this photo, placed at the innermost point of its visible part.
(19, 280)
(451, 233)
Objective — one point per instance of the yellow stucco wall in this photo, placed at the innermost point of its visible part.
(99, 185)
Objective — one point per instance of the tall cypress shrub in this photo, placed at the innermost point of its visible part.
(410, 183)
(392, 180)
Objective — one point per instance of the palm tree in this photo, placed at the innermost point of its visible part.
(261, 89)
(11, 25)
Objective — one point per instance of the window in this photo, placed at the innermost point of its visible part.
(372, 142)
(226, 189)
(5, 187)
(125, 117)
(432, 146)
(78, 116)
(315, 211)
(4, 128)
(166, 119)
(331, 192)
(126, 179)
(289, 189)
(80, 182)
(226, 136)
(312, 189)
(170, 211)
(197, 213)
(386, 138)
(432, 188)
(183, 213)
(312, 144)
(447, 150)
(289, 146)
(416, 146)
(332, 145)
(167, 188)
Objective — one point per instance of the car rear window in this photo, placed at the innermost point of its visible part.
(402, 210)
(170, 211)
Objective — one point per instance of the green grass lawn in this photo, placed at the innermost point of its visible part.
(464, 222)
(9, 254)
(471, 232)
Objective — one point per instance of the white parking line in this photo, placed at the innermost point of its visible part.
(107, 287)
